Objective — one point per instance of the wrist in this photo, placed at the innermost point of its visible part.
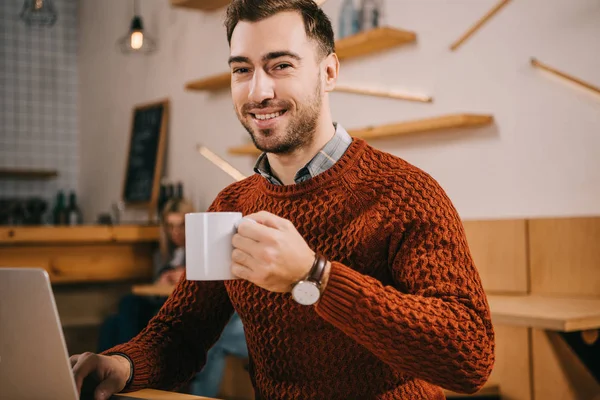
(125, 367)
(325, 278)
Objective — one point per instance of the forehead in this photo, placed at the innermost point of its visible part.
(282, 31)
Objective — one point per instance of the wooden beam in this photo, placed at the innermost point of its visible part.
(478, 24)
(564, 75)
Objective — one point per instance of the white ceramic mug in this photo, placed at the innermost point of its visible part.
(208, 245)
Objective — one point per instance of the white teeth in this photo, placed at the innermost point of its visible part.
(263, 117)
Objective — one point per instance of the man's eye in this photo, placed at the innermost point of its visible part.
(283, 66)
(240, 70)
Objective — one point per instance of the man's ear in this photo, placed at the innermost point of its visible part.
(331, 65)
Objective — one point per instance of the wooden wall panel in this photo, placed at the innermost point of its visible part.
(512, 370)
(565, 256)
(499, 248)
(557, 372)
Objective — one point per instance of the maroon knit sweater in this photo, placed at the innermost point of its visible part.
(403, 314)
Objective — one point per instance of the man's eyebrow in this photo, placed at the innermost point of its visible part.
(267, 57)
(283, 53)
(238, 59)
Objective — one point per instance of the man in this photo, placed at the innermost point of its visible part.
(356, 277)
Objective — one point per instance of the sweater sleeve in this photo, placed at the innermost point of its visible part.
(433, 323)
(173, 347)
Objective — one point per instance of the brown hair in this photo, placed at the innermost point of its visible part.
(180, 206)
(316, 23)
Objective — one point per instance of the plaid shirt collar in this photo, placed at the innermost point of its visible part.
(325, 158)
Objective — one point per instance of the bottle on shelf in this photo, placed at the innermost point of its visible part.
(349, 24)
(162, 198)
(74, 216)
(370, 14)
(59, 213)
(170, 191)
(179, 191)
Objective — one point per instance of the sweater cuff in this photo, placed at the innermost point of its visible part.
(339, 299)
(139, 366)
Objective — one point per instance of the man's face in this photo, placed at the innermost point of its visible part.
(276, 82)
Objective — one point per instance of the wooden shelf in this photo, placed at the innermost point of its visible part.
(543, 312)
(372, 41)
(22, 173)
(361, 44)
(78, 234)
(152, 290)
(212, 83)
(400, 129)
(203, 5)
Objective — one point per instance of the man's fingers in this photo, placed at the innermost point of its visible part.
(241, 271)
(73, 359)
(85, 365)
(243, 243)
(257, 232)
(268, 219)
(107, 388)
(245, 259)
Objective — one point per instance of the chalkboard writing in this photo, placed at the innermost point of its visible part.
(145, 157)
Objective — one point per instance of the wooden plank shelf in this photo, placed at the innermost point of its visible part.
(372, 41)
(78, 234)
(152, 290)
(361, 44)
(202, 5)
(212, 83)
(451, 121)
(543, 312)
(25, 173)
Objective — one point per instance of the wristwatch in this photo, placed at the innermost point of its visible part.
(308, 291)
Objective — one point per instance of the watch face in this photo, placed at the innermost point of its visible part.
(306, 293)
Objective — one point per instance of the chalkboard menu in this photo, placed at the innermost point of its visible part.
(146, 154)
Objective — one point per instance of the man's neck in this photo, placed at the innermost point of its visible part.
(285, 167)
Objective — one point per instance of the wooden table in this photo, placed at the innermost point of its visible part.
(561, 314)
(151, 394)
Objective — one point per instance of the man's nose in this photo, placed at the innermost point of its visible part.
(261, 87)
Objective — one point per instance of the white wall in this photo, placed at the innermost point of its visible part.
(541, 158)
(38, 101)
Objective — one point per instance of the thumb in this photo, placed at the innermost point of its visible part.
(106, 388)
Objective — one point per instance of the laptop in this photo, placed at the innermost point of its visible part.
(34, 363)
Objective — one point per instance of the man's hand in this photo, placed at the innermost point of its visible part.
(269, 252)
(111, 372)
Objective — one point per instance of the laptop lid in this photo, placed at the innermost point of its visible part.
(34, 362)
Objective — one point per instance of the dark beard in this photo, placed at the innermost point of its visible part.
(300, 131)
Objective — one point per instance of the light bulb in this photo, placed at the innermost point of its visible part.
(137, 40)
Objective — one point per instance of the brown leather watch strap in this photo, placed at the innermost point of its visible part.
(318, 268)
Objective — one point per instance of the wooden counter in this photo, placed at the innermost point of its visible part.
(151, 394)
(94, 253)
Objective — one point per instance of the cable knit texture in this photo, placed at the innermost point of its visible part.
(403, 314)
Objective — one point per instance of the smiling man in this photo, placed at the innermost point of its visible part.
(356, 277)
